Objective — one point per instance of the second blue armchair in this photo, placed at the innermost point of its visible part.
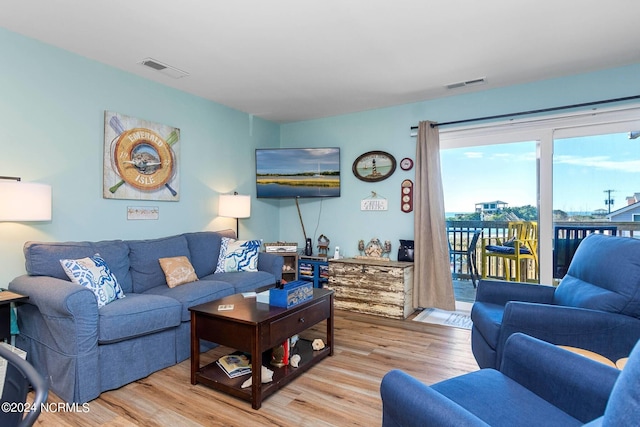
(595, 307)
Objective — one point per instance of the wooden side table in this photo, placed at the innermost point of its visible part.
(590, 354)
(6, 298)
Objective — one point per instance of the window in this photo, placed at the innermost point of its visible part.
(544, 130)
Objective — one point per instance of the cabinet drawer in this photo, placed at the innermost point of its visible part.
(298, 321)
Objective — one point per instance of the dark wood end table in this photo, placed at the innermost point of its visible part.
(6, 298)
(254, 328)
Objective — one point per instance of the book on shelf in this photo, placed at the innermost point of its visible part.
(235, 364)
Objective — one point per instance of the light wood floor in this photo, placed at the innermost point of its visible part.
(343, 390)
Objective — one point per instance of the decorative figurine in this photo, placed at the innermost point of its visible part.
(361, 246)
(386, 250)
(374, 248)
(323, 245)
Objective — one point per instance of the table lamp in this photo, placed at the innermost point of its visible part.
(234, 206)
(24, 201)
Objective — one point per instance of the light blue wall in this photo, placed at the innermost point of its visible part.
(51, 127)
(52, 106)
(388, 129)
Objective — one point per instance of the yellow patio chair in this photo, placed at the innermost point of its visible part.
(520, 246)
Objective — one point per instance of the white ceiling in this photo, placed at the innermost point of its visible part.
(290, 60)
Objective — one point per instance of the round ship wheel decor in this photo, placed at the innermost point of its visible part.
(143, 159)
(374, 166)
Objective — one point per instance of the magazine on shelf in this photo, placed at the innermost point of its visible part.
(235, 364)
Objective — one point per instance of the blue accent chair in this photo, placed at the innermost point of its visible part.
(538, 384)
(595, 307)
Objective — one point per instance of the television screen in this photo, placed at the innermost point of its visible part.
(297, 172)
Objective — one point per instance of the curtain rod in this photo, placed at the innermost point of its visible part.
(543, 110)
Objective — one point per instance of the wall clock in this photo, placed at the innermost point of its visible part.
(406, 164)
(374, 166)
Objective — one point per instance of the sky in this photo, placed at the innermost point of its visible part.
(583, 169)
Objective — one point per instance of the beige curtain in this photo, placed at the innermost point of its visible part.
(432, 284)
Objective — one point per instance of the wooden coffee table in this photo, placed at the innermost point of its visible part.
(255, 328)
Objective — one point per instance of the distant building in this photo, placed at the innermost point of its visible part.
(599, 212)
(491, 207)
(630, 213)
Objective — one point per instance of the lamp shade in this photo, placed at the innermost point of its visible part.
(25, 201)
(234, 206)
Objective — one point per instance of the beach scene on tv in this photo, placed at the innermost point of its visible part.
(298, 172)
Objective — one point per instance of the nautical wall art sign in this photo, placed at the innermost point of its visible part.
(140, 159)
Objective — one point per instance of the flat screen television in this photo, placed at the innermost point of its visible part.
(297, 172)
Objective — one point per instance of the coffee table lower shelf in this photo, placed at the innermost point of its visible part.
(212, 376)
(255, 328)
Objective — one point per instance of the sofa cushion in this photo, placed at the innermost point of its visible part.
(204, 247)
(43, 258)
(144, 255)
(193, 293)
(505, 402)
(243, 281)
(603, 275)
(238, 255)
(177, 271)
(94, 273)
(137, 315)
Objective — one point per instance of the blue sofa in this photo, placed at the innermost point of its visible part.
(595, 307)
(82, 350)
(538, 384)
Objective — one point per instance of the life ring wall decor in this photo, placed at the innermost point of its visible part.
(143, 159)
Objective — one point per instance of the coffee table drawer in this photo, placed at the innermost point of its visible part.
(298, 321)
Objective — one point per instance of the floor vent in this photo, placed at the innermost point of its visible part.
(164, 68)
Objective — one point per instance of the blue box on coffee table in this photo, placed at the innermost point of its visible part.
(293, 294)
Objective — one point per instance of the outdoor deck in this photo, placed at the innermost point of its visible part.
(464, 290)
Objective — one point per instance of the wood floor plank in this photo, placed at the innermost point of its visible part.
(343, 390)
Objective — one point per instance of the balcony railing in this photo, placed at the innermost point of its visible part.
(461, 232)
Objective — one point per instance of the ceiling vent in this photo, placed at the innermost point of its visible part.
(165, 69)
(474, 82)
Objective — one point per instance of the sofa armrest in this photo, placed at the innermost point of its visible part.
(609, 334)
(500, 292)
(69, 311)
(407, 402)
(559, 376)
(271, 263)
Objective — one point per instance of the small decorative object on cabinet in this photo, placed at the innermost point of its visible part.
(314, 269)
(323, 245)
(372, 286)
(374, 166)
(374, 250)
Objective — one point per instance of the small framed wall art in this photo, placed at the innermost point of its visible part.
(374, 166)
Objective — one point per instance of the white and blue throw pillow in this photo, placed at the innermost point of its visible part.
(94, 273)
(238, 255)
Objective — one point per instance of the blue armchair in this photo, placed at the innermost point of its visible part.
(595, 307)
(538, 384)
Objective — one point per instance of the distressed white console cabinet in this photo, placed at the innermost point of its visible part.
(382, 288)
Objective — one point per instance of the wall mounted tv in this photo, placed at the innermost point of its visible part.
(297, 172)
